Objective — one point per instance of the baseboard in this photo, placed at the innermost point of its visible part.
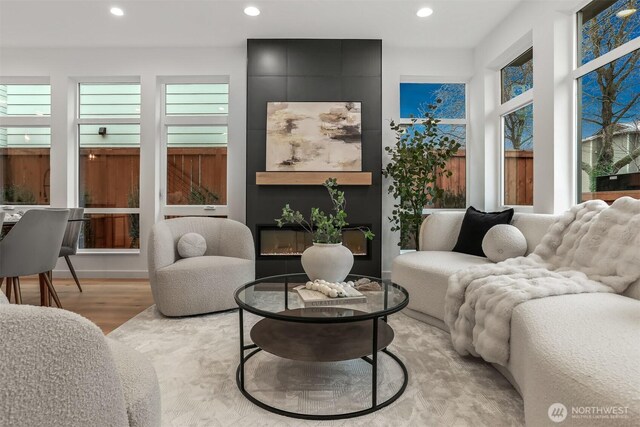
(102, 274)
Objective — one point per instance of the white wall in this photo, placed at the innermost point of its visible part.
(549, 27)
(413, 64)
(63, 66)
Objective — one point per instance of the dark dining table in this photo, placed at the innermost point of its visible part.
(8, 225)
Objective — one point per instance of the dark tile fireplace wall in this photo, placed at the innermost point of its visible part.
(314, 70)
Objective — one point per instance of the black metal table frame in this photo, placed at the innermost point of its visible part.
(373, 360)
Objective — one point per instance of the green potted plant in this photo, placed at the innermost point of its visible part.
(327, 259)
(18, 195)
(419, 158)
(133, 201)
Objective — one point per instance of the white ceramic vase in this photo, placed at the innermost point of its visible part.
(327, 261)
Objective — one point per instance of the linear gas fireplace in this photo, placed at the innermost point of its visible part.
(291, 241)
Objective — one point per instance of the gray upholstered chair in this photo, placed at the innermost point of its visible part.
(32, 247)
(1, 224)
(70, 240)
(58, 369)
(205, 284)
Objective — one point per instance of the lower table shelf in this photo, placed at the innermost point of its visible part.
(322, 342)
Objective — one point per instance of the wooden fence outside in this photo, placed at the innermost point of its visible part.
(457, 182)
(110, 179)
(518, 177)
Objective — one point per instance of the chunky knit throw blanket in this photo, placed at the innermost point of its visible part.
(590, 248)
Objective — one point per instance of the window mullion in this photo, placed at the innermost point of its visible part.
(108, 121)
(516, 103)
(196, 120)
(24, 121)
(607, 58)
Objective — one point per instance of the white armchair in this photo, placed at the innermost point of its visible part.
(188, 286)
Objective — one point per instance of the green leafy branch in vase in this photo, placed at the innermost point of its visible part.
(325, 228)
(419, 163)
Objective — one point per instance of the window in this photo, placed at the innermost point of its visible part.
(604, 25)
(517, 77)
(109, 169)
(195, 138)
(25, 143)
(414, 98)
(608, 99)
(516, 116)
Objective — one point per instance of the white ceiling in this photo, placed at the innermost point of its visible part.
(200, 23)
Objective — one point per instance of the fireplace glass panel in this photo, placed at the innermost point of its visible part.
(291, 242)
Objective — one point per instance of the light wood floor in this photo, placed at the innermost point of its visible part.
(106, 302)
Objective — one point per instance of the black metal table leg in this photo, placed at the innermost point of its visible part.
(374, 365)
(286, 294)
(386, 299)
(242, 359)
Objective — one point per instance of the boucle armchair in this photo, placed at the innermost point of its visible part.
(205, 284)
(58, 369)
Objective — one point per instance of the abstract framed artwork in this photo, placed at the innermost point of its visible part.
(314, 136)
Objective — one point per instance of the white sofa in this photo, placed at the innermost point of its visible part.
(578, 350)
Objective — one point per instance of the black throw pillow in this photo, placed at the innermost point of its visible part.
(475, 225)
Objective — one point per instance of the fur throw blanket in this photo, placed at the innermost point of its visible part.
(590, 248)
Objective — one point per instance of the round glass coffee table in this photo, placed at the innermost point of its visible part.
(292, 331)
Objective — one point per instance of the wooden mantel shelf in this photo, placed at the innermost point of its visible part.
(312, 178)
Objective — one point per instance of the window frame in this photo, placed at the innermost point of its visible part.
(579, 71)
(77, 122)
(27, 121)
(188, 120)
(465, 122)
(503, 109)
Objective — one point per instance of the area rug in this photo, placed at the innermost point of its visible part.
(196, 359)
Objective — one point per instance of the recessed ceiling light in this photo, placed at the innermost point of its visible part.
(117, 11)
(424, 12)
(251, 11)
(624, 13)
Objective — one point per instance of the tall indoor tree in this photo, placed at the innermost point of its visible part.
(418, 157)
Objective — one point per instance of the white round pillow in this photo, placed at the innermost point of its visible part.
(504, 241)
(191, 245)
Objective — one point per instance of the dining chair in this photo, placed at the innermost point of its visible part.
(70, 240)
(1, 224)
(32, 247)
